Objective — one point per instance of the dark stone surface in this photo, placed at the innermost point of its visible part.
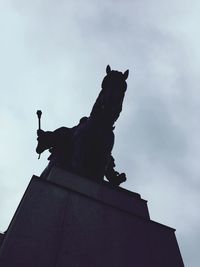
(104, 192)
(1, 238)
(62, 226)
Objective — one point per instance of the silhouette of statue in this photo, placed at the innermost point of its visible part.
(85, 149)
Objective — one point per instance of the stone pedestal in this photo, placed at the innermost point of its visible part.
(70, 221)
(1, 239)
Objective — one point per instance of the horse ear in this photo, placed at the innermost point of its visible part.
(126, 74)
(108, 69)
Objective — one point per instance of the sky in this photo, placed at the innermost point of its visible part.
(53, 57)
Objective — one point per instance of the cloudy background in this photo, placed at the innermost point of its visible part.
(53, 56)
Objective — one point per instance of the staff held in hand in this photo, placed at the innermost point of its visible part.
(39, 114)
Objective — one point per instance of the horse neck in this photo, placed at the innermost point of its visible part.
(103, 113)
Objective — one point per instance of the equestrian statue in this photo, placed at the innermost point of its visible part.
(86, 149)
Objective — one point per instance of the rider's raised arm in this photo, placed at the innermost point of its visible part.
(48, 139)
(45, 140)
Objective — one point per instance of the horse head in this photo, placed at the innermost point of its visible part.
(113, 90)
(115, 79)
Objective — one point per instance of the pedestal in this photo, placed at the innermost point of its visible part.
(70, 221)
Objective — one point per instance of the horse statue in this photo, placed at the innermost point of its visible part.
(85, 149)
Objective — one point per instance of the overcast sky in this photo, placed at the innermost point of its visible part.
(53, 56)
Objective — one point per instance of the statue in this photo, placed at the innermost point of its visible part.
(85, 149)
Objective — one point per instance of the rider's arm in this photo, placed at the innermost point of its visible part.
(45, 140)
(48, 139)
